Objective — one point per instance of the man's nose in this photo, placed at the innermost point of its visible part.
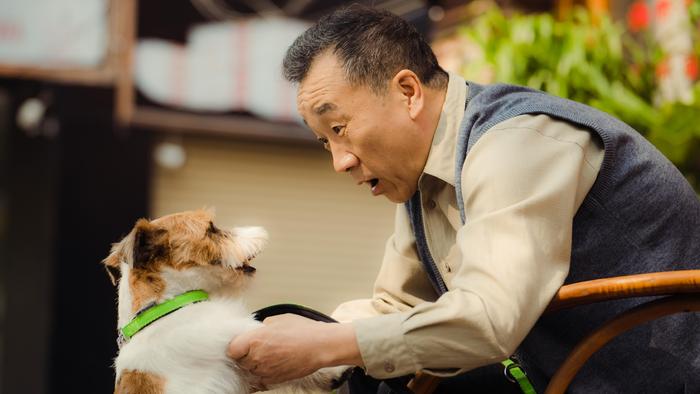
(344, 161)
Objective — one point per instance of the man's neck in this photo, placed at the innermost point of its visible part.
(435, 100)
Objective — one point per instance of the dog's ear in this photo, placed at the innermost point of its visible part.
(121, 251)
(150, 243)
(114, 274)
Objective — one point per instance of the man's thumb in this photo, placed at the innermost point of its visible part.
(238, 347)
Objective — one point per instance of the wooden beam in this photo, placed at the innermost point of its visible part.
(91, 76)
(242, 126)
(123, 22)
(101, 75)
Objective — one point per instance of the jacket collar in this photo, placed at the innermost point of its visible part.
(441, 158)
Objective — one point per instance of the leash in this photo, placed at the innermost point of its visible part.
(308, 313)
(152, 313)
(295, 309)
(516, 374)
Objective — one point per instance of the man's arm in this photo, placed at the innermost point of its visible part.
(522, 188)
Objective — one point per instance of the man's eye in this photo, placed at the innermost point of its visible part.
(337, 129)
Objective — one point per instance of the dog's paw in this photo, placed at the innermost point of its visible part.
(331, 378)
(325, 379)
(344, 376)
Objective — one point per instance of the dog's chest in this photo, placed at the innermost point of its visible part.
(188, 348)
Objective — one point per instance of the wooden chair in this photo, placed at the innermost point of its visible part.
(681, 291)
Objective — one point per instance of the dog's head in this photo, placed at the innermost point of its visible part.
(181, 252)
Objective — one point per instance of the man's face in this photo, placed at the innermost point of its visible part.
(371, 136)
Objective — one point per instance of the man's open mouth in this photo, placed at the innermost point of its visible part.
(373, 182)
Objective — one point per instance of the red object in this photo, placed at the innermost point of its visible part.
(638, 16)
(662, 8)
(662, 69)
(691, 67)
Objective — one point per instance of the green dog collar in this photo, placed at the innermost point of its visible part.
(151, 314)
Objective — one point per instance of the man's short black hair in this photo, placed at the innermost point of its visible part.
(371, 45)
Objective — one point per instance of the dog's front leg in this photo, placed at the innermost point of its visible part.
(137, 382)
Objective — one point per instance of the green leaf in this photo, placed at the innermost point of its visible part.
(600, 65)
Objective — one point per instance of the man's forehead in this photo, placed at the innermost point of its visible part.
(324, 70)
(321, 91)
(318, 98)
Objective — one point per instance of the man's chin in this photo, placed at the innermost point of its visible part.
(398, 197)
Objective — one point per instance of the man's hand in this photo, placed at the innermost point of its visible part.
(289, 346)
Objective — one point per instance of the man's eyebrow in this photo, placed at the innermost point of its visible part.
(325, 107)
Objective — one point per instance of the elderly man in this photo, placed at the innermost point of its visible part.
(505, 194)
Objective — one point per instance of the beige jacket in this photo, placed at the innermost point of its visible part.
(523, 182)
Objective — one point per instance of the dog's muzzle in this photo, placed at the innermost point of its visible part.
(246, 269)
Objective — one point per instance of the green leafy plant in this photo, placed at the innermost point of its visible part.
(600, 64)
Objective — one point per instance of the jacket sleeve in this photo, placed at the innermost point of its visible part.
(401, 283)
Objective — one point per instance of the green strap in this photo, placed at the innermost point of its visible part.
(155, 312)
(514, 372)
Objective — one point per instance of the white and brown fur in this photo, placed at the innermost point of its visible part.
(185, 351)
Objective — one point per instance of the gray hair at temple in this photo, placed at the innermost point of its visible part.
(372, 46)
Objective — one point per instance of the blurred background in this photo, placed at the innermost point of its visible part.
(112, 110)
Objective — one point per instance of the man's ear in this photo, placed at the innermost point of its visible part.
(150, 243)
(409, 85)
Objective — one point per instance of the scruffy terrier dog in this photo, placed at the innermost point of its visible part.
(180, 281)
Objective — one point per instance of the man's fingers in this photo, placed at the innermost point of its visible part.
(238, 347)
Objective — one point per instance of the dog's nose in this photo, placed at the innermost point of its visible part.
(246, 269)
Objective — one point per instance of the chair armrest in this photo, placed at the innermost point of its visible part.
(639, 285)
(592, 291)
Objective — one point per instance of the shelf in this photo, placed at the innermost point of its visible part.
(79, 75)
(228, 125)
(115, 70)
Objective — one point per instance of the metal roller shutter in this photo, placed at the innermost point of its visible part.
(326, 234)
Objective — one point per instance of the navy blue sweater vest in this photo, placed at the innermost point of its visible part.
(640, 216)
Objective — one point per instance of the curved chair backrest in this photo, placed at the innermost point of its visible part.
(682, 294)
